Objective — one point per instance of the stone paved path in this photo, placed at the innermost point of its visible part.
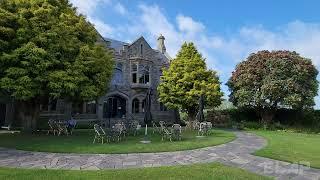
(236, 153)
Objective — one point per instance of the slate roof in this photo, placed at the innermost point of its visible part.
(115, 44)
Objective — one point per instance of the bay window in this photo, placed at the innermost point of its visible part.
(140, 73)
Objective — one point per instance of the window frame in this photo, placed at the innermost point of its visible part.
(134, 73)
(135, 106)
(140, 73)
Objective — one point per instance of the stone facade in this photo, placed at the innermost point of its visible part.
(138, 68)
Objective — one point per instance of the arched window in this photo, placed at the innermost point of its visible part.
(114, 107)
(143, 105)
(135, 105)
(117, 78)
(134, 72)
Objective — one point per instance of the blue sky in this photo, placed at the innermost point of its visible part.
(225, 32)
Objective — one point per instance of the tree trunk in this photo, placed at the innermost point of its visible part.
(192, 114)
(29, 114)
(267, 115)
(177, 119)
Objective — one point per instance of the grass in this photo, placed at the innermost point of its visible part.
(291, 147)
(197, 171)
(81, 142)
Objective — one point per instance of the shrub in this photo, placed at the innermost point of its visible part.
(252, 125)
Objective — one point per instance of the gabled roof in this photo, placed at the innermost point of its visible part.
(143, 39)
(118, 45)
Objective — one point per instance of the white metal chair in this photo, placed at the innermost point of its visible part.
(99, 134)
(202, 129)
(176, 131)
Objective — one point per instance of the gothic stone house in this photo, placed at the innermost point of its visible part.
(138, 68)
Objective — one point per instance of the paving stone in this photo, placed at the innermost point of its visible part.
(91, 168)
(147, 165)
(236, 153)
(240, 161)
(132, 163)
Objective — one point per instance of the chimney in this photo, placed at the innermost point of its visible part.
(125, 47)
(161, 46)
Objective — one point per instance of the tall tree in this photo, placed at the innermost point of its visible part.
(48, 50)
(267, 81)
(186, 80)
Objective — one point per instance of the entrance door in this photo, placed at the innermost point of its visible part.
(114, 107)
(2, 114)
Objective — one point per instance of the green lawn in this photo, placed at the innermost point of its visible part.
(81, 142)
(197, 171)
(291, 147)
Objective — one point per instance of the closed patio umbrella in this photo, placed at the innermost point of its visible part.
(147, 115)
(147, 112)
(201, 107)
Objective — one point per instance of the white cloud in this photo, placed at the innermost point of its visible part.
(87, 7)
(103, 28)
(296, 36)
(153, 23)
(188, 25)
(120, 9)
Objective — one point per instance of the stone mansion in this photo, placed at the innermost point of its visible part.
(138, 67)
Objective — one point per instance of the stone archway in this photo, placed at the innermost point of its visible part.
(115, 106)
(137, 103)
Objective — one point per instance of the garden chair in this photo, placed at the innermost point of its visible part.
(209, 128)
(71, 126)
(52, 127)
(135, 127)
(62, 128)
(202, 129)
(162, 125)
(155, 128)
(124, 129)
(176, 131)
(189, 125)
(118, 130)
(196, 125)
(7, 127)
(166, 134)
(99, 134)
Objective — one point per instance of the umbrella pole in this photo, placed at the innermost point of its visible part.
(146, 140)
(146, 131)
(147, 117)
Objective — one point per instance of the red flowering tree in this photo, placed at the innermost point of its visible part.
(267, 81)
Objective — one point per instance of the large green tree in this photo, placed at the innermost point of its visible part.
(268, 81)
(48, 50)
(186, 79)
